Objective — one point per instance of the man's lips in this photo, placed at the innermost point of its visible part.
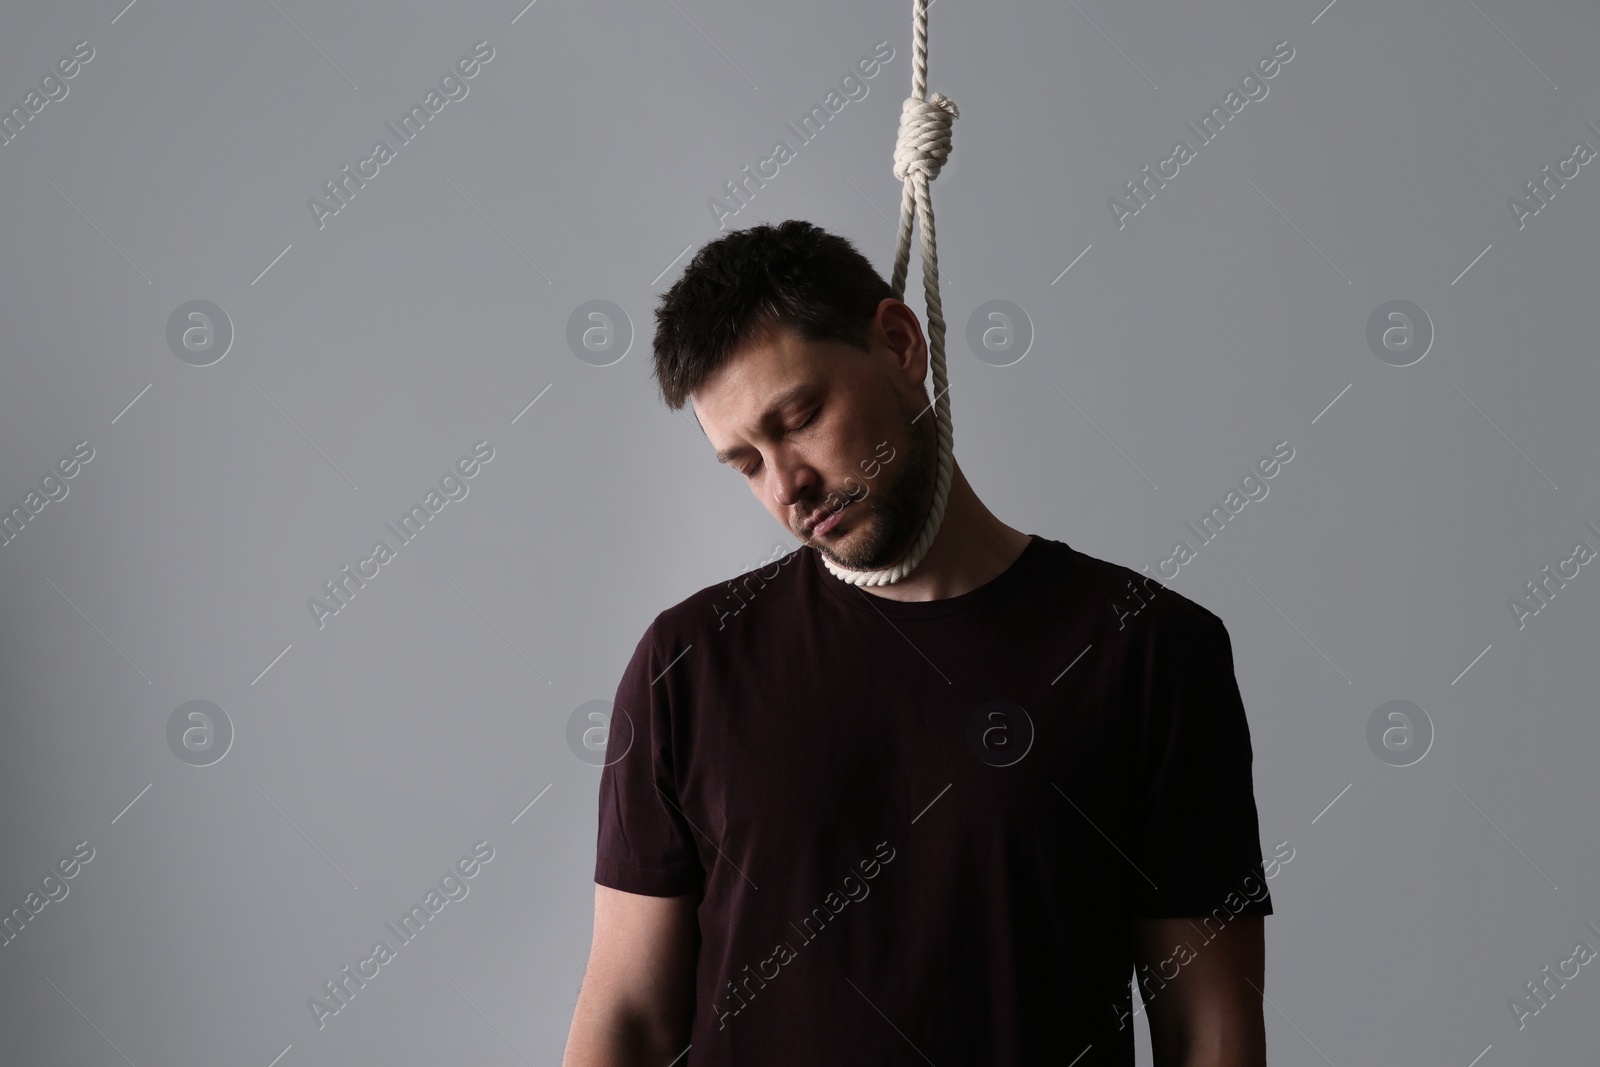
(811, 526)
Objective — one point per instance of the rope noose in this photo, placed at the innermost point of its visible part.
(920, 150)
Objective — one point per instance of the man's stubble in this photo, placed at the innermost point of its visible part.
(896, 512)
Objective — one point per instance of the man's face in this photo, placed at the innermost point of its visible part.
(827, 435)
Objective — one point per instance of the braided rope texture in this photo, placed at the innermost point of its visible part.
(920, 150)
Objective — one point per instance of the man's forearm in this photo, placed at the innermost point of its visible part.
(602, 1037)
(1210, 1013)
(1240, 1046)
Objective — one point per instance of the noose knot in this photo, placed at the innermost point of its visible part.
(923, 143)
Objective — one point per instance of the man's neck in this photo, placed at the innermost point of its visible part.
(971, 548)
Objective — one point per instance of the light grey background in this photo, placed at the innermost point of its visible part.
(1228, 315)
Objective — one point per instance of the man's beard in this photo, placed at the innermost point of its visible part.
(894, 515)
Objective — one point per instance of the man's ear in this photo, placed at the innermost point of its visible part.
(903, 335)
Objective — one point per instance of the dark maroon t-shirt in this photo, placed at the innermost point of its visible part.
(920, 832)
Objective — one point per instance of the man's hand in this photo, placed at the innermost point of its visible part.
(638, 993)
(1206, 1014)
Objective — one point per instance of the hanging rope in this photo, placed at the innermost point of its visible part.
(920, 150)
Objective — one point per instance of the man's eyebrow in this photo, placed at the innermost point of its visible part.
(779, 402)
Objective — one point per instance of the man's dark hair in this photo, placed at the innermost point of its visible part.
(743, 286)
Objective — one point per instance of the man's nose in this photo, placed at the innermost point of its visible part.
(789, 479)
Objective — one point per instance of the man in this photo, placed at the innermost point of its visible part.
(937, 821)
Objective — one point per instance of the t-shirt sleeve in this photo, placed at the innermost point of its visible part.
(1196, 836)
(644, 842)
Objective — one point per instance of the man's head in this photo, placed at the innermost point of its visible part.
(806, 374)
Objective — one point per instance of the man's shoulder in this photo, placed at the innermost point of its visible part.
(710, 609)
(1136, 598)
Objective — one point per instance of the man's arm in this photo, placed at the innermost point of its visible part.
(1208, 1015)
(637, 1000)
